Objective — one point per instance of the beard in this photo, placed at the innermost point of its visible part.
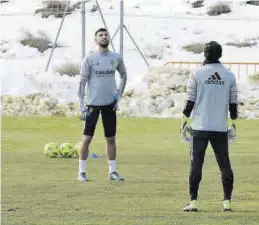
(104, 45)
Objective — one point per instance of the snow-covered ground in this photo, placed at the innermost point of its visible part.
(159, 27)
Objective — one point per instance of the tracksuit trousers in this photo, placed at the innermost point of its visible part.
(198, 145)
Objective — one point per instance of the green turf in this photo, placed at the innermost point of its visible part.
(43, 191)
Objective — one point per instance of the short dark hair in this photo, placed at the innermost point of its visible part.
(100, 30)
(212, 50)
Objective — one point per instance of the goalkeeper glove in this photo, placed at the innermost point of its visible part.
(184, 129)
(232, 132)
(83, 113)
(116, 100)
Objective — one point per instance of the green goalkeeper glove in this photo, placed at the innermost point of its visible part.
(232, 132)
(83, 113)
(184, 129)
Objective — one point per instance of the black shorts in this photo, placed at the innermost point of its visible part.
(109, 120)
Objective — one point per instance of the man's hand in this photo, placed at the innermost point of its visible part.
(184, 129)
(83, 113)
(232, 133)
(116, 100)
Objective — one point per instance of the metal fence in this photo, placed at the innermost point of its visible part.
(239, 68)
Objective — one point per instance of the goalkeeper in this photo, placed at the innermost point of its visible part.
(211, 93)
(98, 72)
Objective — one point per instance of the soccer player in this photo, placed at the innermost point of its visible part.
(98, 72)
(211, 93)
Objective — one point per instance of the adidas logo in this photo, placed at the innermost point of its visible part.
(215, 79)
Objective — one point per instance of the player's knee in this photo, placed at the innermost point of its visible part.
(87, 139)
(110, 140)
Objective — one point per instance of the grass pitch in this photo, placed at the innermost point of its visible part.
(42, 191)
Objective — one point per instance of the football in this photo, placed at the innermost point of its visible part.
(66, 150)
(51, 150)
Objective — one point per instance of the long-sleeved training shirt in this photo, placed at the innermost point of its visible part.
(212, 88)
(98, 72)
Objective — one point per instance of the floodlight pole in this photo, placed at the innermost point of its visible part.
(121, 26)
(104, 23)
(83, 28)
